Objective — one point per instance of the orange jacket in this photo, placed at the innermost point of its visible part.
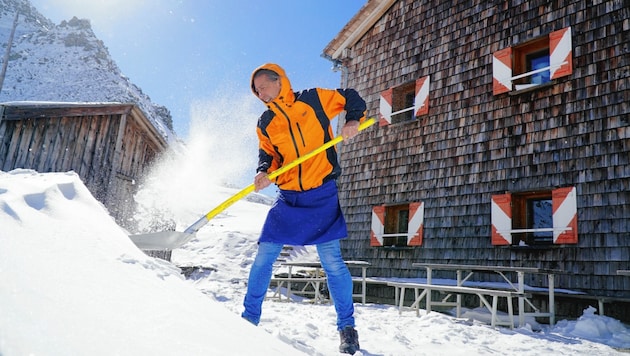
(297, 123)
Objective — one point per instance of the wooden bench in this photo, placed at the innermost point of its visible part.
(318, 273)
(464, 272)
(480, 292)
(311, 286)
(600, 299)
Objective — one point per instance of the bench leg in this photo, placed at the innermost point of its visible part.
(401, 300)
(494, 310)
(416, 303)
(289, 290)
(510, 312)
(363, 284)
(521, 299)
(279, 291)
(317, 296)
(552, 300)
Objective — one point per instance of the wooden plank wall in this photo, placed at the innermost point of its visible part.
(56, 144)
(137, 152)
(473, 144)
(90, 144)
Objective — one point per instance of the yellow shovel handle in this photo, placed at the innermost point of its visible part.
(250, 188)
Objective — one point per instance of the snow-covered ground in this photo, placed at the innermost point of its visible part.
(72, 283)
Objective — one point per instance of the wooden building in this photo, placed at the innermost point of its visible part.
(109, 145)
(504, 138)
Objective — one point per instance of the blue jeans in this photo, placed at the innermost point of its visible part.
(338, 276)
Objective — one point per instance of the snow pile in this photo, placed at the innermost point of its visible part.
(74, 284)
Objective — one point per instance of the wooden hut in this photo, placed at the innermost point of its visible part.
(504, 139)
(109, 145)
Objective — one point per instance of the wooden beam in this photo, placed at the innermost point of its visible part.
(23, 110)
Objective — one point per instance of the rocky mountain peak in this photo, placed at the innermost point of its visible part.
(65, 63)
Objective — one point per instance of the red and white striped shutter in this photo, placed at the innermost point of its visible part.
(502, 71)
(385, 107)
(378, 225)
(416, 224)
(421, 101)
(560, 51)
(501, 216)
(564, 205)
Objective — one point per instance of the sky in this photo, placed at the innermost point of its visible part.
(183, 52)
(73, 283)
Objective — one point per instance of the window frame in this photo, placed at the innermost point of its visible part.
(509, 72)
(522, 219)
(564, 216)
(402, 107)
(522, 65)
(395, 234)
(386, 228)
(395, 106)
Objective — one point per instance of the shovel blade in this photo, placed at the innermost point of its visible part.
(163, 240)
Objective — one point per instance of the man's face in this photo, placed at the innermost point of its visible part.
(266, 89)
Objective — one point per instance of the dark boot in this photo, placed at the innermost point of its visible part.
(349, 340)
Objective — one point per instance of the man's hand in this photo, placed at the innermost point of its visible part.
(261, 181)
(349, 130)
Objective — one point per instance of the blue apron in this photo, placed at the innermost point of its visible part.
(305, 218)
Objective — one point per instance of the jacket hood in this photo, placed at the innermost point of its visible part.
(286, 93)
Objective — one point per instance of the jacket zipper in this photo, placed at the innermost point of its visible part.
(295, 145)
(301, 135)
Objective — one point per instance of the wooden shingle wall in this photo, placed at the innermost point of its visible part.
(110, 146)
(473, 144)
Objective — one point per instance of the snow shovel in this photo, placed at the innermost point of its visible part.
(168, 240)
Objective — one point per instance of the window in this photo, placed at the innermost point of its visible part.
(402, 103)
(537, 63)
(396, 221)
(405, 102)
(397, 225)
(535, 218)
(533, 63)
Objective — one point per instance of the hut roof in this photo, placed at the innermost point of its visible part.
(364, 19)
(17, 110)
